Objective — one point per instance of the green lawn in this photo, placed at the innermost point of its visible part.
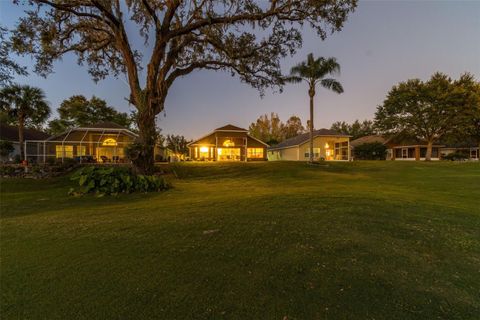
(364, 240)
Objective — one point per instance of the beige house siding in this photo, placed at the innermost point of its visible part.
(300, 152)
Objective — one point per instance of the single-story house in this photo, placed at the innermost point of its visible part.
(10, 133)
(103, 142)
(327, 144)
(411, 149)
(228, 143)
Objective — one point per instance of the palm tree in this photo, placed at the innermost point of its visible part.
(25, 106)
(313, 71)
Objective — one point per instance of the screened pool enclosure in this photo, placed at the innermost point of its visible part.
(100, 143)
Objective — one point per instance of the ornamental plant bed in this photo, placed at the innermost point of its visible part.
(114, 180)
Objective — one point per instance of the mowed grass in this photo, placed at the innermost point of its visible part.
(363, 240)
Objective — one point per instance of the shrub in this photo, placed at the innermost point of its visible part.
(370, 151)
(6, 147)
(456, 156)
(115, 180)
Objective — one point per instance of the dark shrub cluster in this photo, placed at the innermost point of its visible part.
(370, 151)
(115, 180)
(456, 156)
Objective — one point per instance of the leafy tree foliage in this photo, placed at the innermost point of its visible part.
(268, 129)
(26, 107)
(429, 110)
(272, 130)
(78, 111)
(6, 147)
(314, 72)
(244, 37)
(8, 67)
(357, 129)
(370, 151)
(293, 127)
(177, 143)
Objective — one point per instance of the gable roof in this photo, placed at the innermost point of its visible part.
(302, 138)
(368, 139)
(230, 127)
(227, 128)
(10, 133)
(104, 125)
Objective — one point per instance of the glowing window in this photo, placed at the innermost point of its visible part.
(109, 142)
(255, 152)
(81, 150)
(64, 151)
(228, 143)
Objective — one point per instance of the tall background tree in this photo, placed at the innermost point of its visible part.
(24, 106)
(177, 143)
(293, 127)
(427, 110)
(8, 67)
(268, 129)
(356, 129)
(245, 37)
(78, 111)
(314, 72)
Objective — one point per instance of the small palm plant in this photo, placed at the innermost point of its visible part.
(314, 71)
(25, 105)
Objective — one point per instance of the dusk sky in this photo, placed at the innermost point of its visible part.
(382, 43)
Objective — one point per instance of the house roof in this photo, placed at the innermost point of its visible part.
(302, 138)
(368, 139)
(230, 127)
(104, 125)
(98, 127)
(10, 133)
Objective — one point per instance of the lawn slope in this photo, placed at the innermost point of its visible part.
(363, 240)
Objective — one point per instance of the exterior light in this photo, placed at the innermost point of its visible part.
(203, 149)
(327, 146)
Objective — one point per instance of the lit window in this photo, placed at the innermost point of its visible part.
(204, 152)
(228, 143)
(81, 150)
(65, 152)
(109, 142)
(316, 152)
(255, 152)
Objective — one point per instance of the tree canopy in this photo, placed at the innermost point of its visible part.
(8, 67)
(272, 130)
(244, 37)
(24, 106)
(429, 109)
(356, 129)
(78, 111)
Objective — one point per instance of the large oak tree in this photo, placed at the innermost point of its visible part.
(429, 110)
(245, 37)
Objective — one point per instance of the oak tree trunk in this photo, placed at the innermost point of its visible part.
(428, 156)
(145, 162)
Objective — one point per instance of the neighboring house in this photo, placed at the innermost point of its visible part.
(10, 133)
(228, 143)
(101, 142)
(327, 144)
(411, 149)
(472, 152)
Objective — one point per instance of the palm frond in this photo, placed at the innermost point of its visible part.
(293, 79)
(332, 84)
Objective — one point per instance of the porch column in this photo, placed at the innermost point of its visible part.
(417, 153)
(349, 156)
